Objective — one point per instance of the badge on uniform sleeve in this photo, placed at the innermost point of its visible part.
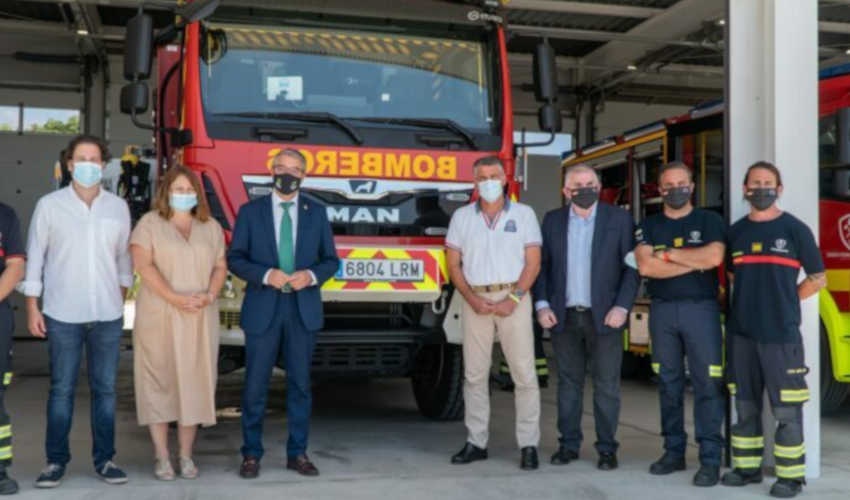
(677, 242)
(510, 226)
(756, 247)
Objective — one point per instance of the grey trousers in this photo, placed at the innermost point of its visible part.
(573, 347)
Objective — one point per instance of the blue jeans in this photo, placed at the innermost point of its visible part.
(65, 342)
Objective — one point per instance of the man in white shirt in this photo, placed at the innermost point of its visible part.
(493, 252)
(78, 262)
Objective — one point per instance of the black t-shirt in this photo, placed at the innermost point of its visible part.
(11, 244)
(766, 258)
(697, 229)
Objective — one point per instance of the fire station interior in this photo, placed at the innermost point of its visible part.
(638, 83)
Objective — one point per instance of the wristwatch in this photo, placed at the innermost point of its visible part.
(516, 295)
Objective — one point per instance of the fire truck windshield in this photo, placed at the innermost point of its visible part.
(350, 74)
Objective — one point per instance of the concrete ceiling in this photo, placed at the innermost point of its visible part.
(655, 51)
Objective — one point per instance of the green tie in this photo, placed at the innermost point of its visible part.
(285, 254)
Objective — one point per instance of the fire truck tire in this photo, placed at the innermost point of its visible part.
(832, 392)
(438, 381)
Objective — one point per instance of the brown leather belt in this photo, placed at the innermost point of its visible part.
(498, 287)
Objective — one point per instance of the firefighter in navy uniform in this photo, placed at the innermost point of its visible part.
(12, 268)
(679, 250)
(766, 251)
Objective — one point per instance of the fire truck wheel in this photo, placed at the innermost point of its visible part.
(832, 392)
(438, 381)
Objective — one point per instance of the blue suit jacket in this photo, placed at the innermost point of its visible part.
(612, 282)
(253, 251)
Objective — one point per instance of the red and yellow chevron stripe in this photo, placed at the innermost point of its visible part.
(434, 260)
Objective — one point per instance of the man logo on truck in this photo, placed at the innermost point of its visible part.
(367, 215)
(365, 187)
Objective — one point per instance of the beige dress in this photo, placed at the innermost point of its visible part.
(175, 354)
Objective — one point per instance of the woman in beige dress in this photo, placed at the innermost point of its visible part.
(178, 251)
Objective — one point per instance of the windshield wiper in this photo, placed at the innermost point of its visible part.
(440, 123)
(304, 117)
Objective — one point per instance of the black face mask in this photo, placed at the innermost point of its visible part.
(677, 197)
(585, 197)
(286, 183)
(761, 198)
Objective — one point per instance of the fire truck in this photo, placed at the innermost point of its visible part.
(628, 164)
(390, 106)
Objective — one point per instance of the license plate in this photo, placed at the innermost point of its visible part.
(381, 270)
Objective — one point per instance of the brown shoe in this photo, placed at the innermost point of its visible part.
(302, 465)
(250, 468)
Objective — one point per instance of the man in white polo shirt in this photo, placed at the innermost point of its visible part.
(493, 249)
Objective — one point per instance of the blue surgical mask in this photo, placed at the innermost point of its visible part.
(87, 173)
(490, 190)
(183, 202)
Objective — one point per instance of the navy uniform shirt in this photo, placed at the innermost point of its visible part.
(11, 244)
(766, 258)
(697, 229)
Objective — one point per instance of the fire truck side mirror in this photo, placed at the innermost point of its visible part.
(134, 98)
(138, 46)
(549, 118)
(545, 73)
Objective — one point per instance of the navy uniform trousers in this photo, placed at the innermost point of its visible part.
(779, 368)
(689, 328)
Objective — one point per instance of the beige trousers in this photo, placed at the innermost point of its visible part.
(517, 339)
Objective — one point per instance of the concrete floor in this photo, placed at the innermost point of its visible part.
(370, 442)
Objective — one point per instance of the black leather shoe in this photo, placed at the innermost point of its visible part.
(302, 465)
(563, 456)
(786, 488)
(529, 460)
(8, 486)
(740, 477)
(607, 461)
(707, 475)
(468, 454)
(250, 468)
(667, 464)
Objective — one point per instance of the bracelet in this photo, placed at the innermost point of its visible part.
(514, 297)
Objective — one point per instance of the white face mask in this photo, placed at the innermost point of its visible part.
(490, 190)
(183, 202)
(87, 173)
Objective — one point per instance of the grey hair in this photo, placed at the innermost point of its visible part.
(580, 167)
(292, 153)
(488, 161)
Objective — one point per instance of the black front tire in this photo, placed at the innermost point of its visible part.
(438, 381)
(832, 392)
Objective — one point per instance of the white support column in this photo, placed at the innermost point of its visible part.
(772, 111)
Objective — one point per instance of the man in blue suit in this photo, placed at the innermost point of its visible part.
(583, 295)
(283, 248)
